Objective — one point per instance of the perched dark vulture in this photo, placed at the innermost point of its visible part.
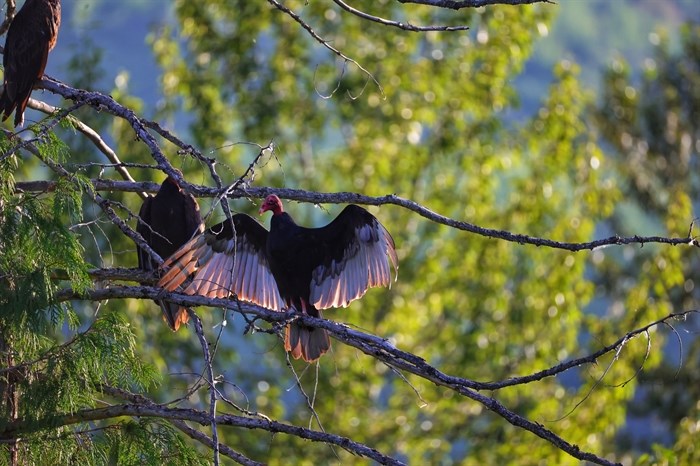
(31, 36)
(289, 267)
(168, 221)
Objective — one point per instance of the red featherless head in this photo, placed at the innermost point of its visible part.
(273, 204)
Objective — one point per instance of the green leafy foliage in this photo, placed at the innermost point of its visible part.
(652, 122)
(433, 133)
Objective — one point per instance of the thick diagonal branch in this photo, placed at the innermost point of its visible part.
(383, 350)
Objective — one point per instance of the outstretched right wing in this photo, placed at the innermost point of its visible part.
(228, 258)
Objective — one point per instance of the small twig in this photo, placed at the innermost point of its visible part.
(297, 381)
(598, 381)
(641, 365)
(397, 24)
(324, 42)
(680, 349)
(212, 382)
(245, 411)
(9, 15)
(309, 401)
(148, 166)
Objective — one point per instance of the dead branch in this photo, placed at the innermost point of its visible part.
(390, 199)
(134, 409)
(396, 24)
(382, 350)
(459, 4)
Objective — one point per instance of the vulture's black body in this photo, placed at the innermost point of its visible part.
(32, 34)
(168, 221)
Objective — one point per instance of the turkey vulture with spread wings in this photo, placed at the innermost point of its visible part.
(31, 36)
(289, 267)
(168, 221)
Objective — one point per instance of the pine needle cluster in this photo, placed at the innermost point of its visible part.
(52, 365)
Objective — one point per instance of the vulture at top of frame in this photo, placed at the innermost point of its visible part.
(32, 34)
(289, 267)
(167, 221)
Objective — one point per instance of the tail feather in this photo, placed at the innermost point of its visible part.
(19, 111)
(292, 343)
(18, 104)
(7, 105)
(174, 315)
(304, 342)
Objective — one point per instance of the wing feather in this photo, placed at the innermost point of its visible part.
(206, 282)
(216, 267)
(228, 258)
(251, 276)
(359, 253)
(179, 267)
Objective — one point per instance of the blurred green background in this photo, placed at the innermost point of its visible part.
(570, 121)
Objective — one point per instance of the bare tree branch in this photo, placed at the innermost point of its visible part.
(192, 433)
(369, 344)
(400, 25)
(23, 427)
(355, 198)
(324, 42)
(459, 4)
(381, 349)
